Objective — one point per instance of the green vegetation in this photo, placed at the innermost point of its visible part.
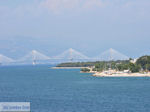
(134, 67)
(121, 67)
(129, 66)
(88, 64)
(142, 64)
(85, 70)
(77, 64)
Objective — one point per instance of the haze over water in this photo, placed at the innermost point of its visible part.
(51, 90)
(89, 26)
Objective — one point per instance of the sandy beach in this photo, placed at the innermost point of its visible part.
(122, 75)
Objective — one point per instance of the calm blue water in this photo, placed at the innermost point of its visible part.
(51, 90)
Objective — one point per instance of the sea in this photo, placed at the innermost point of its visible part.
(68, 90)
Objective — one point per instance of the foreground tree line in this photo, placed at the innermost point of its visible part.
(142, 64)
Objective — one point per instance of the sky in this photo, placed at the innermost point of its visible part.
(88, 26)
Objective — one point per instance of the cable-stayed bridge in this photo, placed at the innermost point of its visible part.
(69, 55)
(33, 56)
(111, 55)
(5, 59)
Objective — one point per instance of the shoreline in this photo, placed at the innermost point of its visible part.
(102, 74)
(121, 75)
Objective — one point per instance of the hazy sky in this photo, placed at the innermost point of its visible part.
(89, 26)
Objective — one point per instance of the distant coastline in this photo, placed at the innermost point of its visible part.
(67, 67)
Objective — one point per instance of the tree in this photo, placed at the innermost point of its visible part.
(113, 65)
(143, 61)
(100, 66)
(122, 67)
(148, 67)
(134, 67)
(85, 70)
